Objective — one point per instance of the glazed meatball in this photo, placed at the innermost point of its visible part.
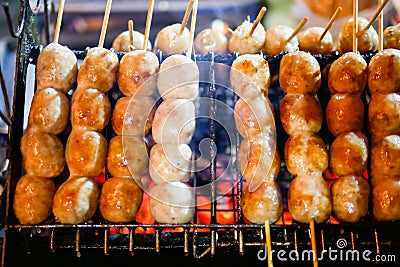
(309, 41)
(276, 40)
(386, 199)
(391, 37)
(384, 114)
(385, 157)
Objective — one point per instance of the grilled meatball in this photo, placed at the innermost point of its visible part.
(243, 43)
(90, 109)
(384, 72)
(309, 198)
(42, 153)
(309, 41)
(276, 40)
(367, 42)
(172, 202)
(386, 199)
(174, 121)
(263, 204)
(86, 153)
(348, 74)
(137, 73)
(133, 115)
(300, 113)
(56, 68)
(305, 153)
(344, 113)
(49, 111)
(122, 43)
(183, 85)
(348, 154)
(120, 199)
(98, 69)
(76, 200)
(170, 162)
(350, 198)
(299, 73)
(127, 156)
(211, 40)
(391, 37)
(33, 199)
(385, 157)
(384, 114)
(169, 41)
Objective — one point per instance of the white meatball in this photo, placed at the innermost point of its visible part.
(211, 40)
(276, 40)
(243, 43)
(169, 41)
(121, 43)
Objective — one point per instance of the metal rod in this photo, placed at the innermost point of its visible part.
(36, 10)
(22, 12)
(5, 96)
(47, 18)
(212, 115)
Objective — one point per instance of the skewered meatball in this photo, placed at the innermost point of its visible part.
(386, 199)
(299, 73)
(348, 74)
(384, 72)
(98, 69)
(76, 200)
(49, 111)
(305, 153)
(344, 113)
(137, 73)
(133, 115)
(90, 109)
(309, 41)
(122, 43)
(276, 40)
(120, 199)
(85, 153)
(263, 204)
(56, 68)
(169, 41)
(243, 43)
(183, 85)
(385, 157)
(33, 199)
(348, 154)
(127, 156)
(384, 114)
(42, 153)
(300, 113)
(391, 37)
(211, 40)
(350, 195)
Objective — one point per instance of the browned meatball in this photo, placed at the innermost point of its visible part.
(98, 69)
(300, 113)
(386, 199)
(90, 109)
(384, 114)
(309, 41)
(56, 68)
(133, 115)
(263, 204)
(384, 72)
(120, 199)
(299, 73)
(86, 153)
(305, 153)
(344, 113)
(348, 154)
(76, 200)
(385, 157)
(33, 199)
(49, 111)
(391, 37)
(42, 153)
(127, 156)
(309, 198)
(276, 40)
(348, 74)
(350, 198)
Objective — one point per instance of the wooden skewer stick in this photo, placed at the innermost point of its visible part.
(105, 23)
(329, 25)
(373, 18)
(268, 241)
(298, 28)
(313, 243)
(58, 23)
(186, 16)
(192, 28)
(380, 28)
(130, 27)
(257, 20)
(148, 24)
(355, 26)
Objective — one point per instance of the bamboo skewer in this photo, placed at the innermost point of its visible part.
(130, 27)
(313, 243)
(297, 29)
(148, 24)
(380, 28)
(355, 26)
(268, 241)
(257, 20)
(374, 16)
(186, 16)
(329, 25)
(192, 28)
(58, 23)
(105, 23)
